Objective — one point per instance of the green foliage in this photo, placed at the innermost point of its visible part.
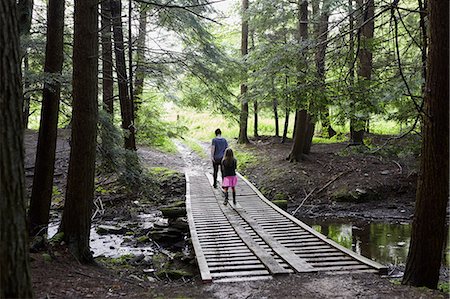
(116, 263)
(444, 287)
(57, 238)
(152, 130)
(194, 146)
(114, 158)
(244, 157)
(335, 139)
(162, 172)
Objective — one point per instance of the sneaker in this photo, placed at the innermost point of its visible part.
(215, 185)
(225, 202)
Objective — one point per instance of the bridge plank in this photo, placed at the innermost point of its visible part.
(381, 268)
(201, 260)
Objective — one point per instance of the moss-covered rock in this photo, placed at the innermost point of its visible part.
(110, 229)
(143, 239)
(173, 212)
(174, 273)
(46, 257)
(280, 196)
(356, 195)
(281, 203)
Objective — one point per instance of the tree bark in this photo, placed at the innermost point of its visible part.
(107, 59)
(41, 194)
(309, 135)
(321, 32)
(275, 109)
(140, 56)
(287, 112)
(15, 280)
(428, 229)
(423, 28)
(358, 124)
(255, 123)
(243, 119)
(302, 118)
(126, 106)
(26, 96)
(76, 218)
(298, 146)
(130, 60)
(25, 15)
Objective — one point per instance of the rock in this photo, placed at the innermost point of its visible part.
(167, 234)
(110, 229)
(179, 223)
(173, 273)
(281, 203)
(173, 212)
(161, 223)
(357, 195)
(179, 204)
(385, 172)
(47, 257)
(137, 259)
(143, 239)
(135, 277)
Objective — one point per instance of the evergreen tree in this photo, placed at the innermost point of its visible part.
(76, 218)
(15, 280)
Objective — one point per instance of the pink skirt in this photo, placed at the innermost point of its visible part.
(229, 181)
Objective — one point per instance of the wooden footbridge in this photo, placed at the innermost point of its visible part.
(255, 239)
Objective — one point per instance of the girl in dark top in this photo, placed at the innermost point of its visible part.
(229, 165)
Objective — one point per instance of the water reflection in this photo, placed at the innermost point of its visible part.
(381, 242)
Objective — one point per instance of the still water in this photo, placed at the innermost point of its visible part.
(382, 242)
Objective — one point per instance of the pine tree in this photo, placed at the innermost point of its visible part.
(15, 280)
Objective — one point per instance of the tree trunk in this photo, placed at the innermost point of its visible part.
(126, 107)
(428, 229)
(140, 56)
(321, 32)
(130, 60)
(287, 112)
(25, 15)
(365, 64)
(255, 125)
(286, 125)
(298, 146)
(107, 59)
(276, 118)
(275, 110)
(15, 280)
(309, 135)
(76, 218)
(423, 28)
(41, 194)
(243, 119)
(301, 118)
(26, 96)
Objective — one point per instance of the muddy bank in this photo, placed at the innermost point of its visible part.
(335, 181)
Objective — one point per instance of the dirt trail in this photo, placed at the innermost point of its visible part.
(193, 164)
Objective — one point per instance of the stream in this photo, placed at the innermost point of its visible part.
(385, 243)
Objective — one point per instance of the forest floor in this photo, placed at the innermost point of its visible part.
(385, 193)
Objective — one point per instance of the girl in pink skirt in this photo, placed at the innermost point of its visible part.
(229, 164)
